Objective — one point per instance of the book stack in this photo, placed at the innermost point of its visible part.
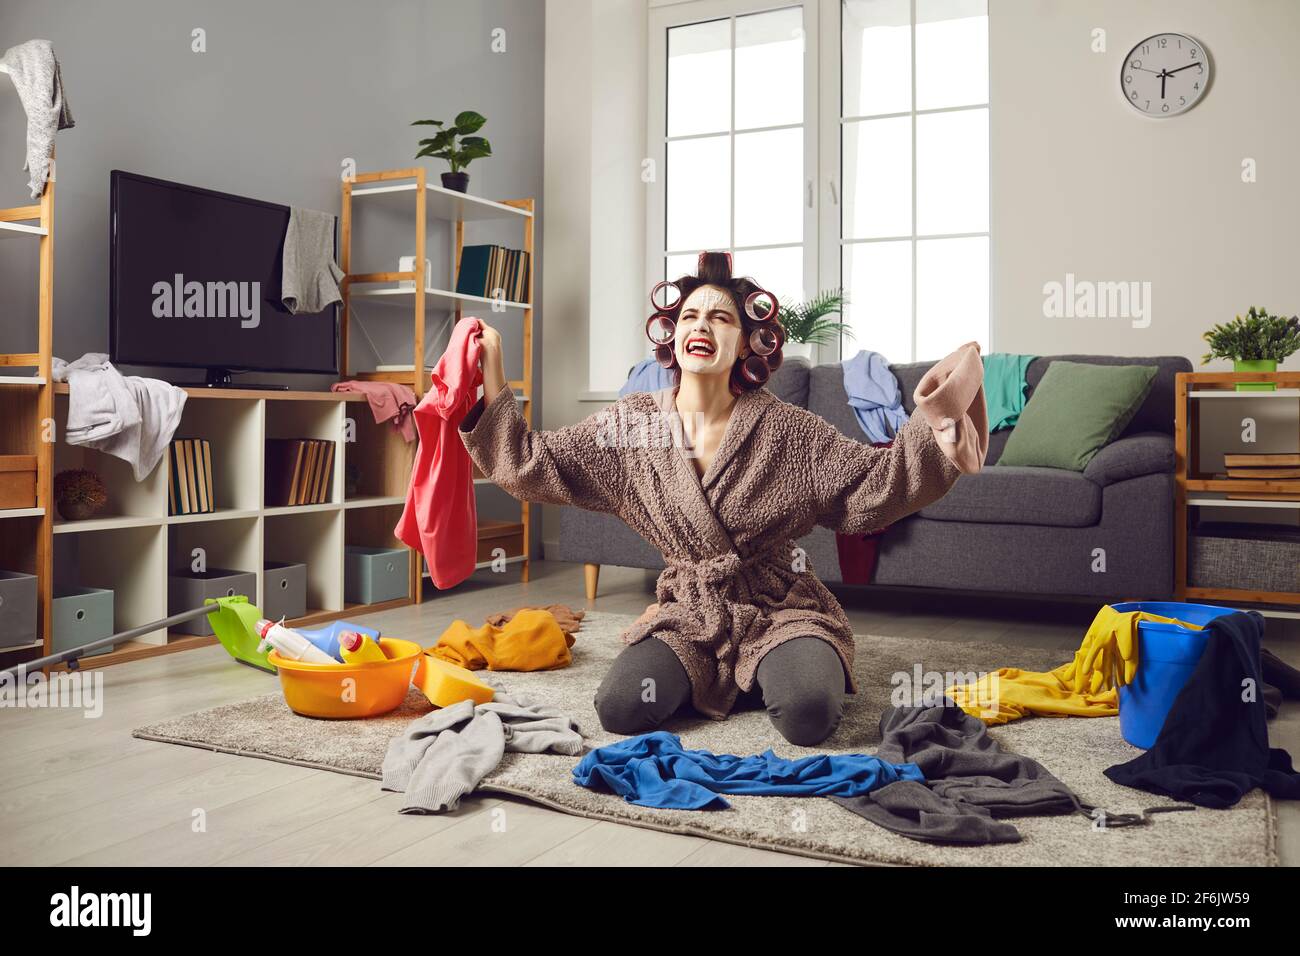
(1264, 467)
(299, 471)
(189, 489)
(485, 269)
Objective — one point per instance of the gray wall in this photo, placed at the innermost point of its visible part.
(284, 93)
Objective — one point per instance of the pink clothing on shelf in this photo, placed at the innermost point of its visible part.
(439, 518)
(388, 400)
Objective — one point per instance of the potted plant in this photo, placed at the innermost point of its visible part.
(79, 494)
(1256, 343)
(807, 324)
(458, 154)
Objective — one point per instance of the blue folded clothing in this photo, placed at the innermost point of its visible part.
(653, 770)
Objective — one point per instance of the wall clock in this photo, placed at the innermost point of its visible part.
(1165, 75)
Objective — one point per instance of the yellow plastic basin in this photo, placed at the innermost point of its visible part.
(349, 691)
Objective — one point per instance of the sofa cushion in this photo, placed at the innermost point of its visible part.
(1006, 494)
(790, 382)
(1148, 453)
(1157, 410)
(1077, 410)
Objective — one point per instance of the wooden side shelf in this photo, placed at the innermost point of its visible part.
(433, 201)
(1193, 489)
(26, 403)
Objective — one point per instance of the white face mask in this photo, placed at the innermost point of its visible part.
(708, 338)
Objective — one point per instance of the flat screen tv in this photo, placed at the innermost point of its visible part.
(195, 282)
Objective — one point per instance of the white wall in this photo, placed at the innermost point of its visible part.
(594, 227)
(1083, 184)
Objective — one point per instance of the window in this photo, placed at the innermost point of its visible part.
(914, 225)
(735, 144)
(829, 143)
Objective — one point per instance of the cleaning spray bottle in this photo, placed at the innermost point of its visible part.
(359, 648)
(291, 645)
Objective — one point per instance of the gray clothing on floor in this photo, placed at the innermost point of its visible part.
(445, 754)
(311, 276)
(128, 417)
(969, 780)
(802, 683)
(39, 82)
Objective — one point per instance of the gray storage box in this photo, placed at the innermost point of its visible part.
(79, 616)
(1253, 564)
(284, 590)
(372, 575)
(189, 590)
(17, 608)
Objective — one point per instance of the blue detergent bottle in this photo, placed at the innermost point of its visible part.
(327, 637)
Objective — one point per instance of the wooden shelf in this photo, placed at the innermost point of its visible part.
(21, 513)
(375, 501)
(107, 523)
(442, 203)
(427, 199)
(11, 230)
(1191, 490)
(22, 380)
(439, 298)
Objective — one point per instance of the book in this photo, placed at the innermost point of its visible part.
(189, 484)
(1261, 460)
(283, 473)
(1264, 472)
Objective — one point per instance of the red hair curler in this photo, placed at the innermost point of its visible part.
(754, 369)
(660, 329)
(665, 356)
(764, 340)
(666, 306)
(752, 311)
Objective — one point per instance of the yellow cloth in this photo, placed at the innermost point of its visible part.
(530, 641)
(1087, 686)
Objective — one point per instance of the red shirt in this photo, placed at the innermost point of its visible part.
(439, 518)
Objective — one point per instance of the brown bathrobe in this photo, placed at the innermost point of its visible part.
(736, 585)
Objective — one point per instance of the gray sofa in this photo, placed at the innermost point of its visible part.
(1106, 532)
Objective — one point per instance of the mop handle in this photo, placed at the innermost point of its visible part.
(70, 656)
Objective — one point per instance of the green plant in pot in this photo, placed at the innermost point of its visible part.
(79, 494)
(458, 153)
(809, 323)
(1256, 343)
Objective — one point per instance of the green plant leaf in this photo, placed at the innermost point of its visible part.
(469, 122)
(427, 123)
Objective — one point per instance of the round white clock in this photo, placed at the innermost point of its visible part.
(1165, 74)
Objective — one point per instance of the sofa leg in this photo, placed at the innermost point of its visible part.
(592, 574)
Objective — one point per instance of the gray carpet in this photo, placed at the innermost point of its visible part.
(1076, 750)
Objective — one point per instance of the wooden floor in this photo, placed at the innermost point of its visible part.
(82, 791)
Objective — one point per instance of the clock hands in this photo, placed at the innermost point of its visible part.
(1181, 68)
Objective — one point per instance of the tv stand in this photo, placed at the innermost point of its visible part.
(222, 378)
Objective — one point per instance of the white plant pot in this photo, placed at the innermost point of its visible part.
(797, 350)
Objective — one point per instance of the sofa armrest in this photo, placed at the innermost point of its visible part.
(1146, 453)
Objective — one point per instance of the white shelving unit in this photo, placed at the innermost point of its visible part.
(134, 545)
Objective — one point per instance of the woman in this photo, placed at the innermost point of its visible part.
(744, 476)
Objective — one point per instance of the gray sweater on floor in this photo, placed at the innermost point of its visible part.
(446, 754)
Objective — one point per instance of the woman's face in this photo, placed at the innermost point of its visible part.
(709, 333)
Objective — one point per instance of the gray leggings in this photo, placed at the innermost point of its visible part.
(802, 682)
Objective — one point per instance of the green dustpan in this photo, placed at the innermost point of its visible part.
(235, 622)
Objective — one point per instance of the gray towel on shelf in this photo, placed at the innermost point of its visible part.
(311, 276)
(446, 754)
(39, 82)
(128, 417)
(969, 780)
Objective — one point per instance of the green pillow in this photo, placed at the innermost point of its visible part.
(1076, 410)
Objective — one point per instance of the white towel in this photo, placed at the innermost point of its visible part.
(39, 83)
(128, 417)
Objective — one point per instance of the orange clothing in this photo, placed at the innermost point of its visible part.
(530, 641)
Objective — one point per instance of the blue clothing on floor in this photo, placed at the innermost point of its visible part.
(874, 395)
(1004, 387)
(647, 376)
(652, 770)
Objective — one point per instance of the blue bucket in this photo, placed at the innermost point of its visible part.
(1167, 655)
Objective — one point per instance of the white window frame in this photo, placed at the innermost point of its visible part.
(832, 123)
(665, 14)
(823, 147)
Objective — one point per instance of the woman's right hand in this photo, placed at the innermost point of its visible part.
(490, 338)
